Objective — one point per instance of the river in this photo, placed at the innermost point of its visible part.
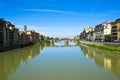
(59, 61)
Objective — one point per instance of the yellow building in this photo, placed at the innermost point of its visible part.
(118, 29)
(111, 30)
(115, 32)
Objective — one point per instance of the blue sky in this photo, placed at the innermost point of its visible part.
(59, 18)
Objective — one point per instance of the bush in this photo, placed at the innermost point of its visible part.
(111, 48)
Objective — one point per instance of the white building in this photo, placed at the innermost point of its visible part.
(107, 28)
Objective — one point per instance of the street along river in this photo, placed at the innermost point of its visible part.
(59, 61)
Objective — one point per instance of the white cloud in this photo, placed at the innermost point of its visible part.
(48, 10)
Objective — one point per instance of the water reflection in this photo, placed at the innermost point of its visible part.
(59, 44)
(65, 44)
(104, 59)
(10, 61)
(68, 60)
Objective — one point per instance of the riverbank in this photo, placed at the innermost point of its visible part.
(42, 42)
(101, 46)
(14, 47)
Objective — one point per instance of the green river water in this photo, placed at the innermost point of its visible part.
(59, 62)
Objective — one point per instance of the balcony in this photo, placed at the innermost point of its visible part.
(114, 28)
(114, 32)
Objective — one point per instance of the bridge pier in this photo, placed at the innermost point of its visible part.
(77, 42)
(51, 42)
(66, 42)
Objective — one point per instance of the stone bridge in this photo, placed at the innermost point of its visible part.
(66, 42)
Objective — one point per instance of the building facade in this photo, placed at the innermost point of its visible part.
(34, 36)
(13, 35)
(118, 29)
(99, 31)
(87, 34)
(24, 39)
(107, 31)
(103, 31)
(8, 34)
(115, 32)
(90, 36)
(4, 34)
(3, 30)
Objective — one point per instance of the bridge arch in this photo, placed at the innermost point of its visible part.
(66, 43)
